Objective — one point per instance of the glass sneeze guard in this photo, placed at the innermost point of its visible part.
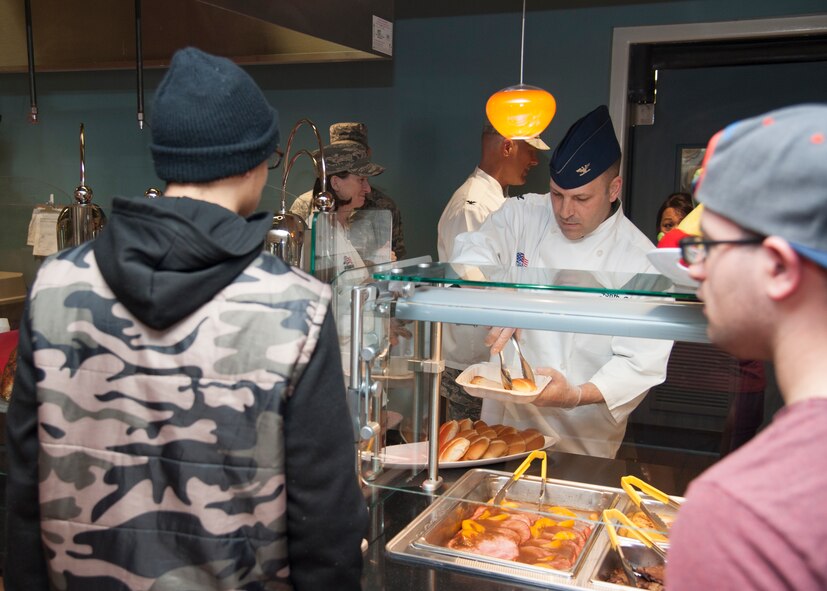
(532, 278)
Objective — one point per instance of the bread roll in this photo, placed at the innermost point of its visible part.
(505, 430)
(467, 433)
(517, 447)
(485, 382)
(466, 424)
(489, 432)
(523, 385)
(480, 424)
(534, 441)
(477, 448)
(454, 450)
(447, 432)
(512, 438)
(496, 449)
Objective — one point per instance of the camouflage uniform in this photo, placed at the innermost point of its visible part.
(357, 133)
(164, 455)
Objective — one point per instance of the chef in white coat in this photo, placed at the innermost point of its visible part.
(503, 162)
(597, 381)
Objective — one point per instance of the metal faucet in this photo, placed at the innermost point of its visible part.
(287, 235)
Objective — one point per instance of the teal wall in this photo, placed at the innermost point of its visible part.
(424, 109)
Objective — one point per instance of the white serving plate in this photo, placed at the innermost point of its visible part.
(668, 262)
(415, 455)
(491, 371)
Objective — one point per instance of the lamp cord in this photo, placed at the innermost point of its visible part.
(522, 44)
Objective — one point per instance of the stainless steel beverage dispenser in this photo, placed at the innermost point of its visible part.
(83, 220)
(289, 236)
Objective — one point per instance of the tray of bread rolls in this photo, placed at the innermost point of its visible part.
(484, 380)
(467, 443)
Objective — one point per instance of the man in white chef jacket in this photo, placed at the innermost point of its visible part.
(503, 162)
(597, 381)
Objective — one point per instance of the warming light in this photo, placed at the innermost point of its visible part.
(521, 111)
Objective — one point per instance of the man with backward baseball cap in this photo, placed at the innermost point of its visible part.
(757, 519)
(597, 381)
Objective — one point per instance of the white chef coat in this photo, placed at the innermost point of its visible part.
(479, 196)
(622, 368)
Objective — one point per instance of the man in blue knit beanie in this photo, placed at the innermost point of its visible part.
(178, 419)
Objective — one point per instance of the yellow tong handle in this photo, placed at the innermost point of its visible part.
(634, 530)
(628, 482)
(537, 453)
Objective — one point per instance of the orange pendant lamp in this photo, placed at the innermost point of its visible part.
(521, 112)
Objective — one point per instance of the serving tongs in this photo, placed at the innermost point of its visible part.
(537, 453)
(528, 373)
(628, 483)
(628, 570)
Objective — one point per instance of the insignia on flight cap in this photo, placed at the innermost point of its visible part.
(588, 149)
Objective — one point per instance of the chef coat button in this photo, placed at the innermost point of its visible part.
(600, 253)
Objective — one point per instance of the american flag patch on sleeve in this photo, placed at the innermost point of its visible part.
(522, 261)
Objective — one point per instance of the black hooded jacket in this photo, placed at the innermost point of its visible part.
(164, 259)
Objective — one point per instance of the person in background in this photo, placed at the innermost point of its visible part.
(356, 134)
(503, 162)
(179, 416)
(596, 380)
(676, 207)
(757, 520)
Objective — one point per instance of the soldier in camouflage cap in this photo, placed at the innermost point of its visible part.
(349, 157)
(357, 133)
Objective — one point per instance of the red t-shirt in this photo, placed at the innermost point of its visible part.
(758, 519)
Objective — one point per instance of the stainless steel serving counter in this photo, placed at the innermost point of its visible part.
(399, 499)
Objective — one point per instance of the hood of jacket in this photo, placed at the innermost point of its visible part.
(164, 258)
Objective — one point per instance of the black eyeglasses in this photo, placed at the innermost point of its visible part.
(695, 249)
(275, 159)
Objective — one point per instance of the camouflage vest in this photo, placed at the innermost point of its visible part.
(161, 452)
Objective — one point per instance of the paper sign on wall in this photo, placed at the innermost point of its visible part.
(382, 35)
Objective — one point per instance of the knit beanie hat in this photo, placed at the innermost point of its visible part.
(209, 120)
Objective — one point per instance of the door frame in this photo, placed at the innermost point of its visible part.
(624, 37)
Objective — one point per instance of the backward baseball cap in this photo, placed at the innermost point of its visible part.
(768, 174)
(536, 142)
(349, 157)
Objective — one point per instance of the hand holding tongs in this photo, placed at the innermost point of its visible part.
(608, 515)
(629, 482)
(528, 373)
(537, 453)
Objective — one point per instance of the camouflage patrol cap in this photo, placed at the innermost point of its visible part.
(349, 132)
(349, 157)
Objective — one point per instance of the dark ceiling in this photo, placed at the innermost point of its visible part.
(435, 8)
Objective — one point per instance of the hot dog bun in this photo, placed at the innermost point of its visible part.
(447, 432)
(454, 450)
(485, 382)
(523, 385)
(477, 448)
(496, 448)
(534, 441)
(466, 424)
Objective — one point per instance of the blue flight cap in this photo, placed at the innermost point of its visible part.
(589, 148)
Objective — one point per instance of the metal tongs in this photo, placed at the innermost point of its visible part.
(631, 574)
(528, 373)
(629, 482)
(537, 453)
